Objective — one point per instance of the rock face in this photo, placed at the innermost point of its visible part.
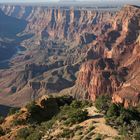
(70, 24)
(101, 77)
(116, 73)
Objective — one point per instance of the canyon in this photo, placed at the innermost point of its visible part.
(68, 50)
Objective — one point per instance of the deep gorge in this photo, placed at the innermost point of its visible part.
(76, 51)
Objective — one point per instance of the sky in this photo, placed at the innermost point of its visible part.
(34, 1)
(13, 1)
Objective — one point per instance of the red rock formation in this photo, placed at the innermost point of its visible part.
(119, 76)
(100, 77)
(109, 44)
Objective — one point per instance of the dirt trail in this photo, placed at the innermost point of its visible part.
(98, 120)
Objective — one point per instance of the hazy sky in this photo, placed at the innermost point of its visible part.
(12, 1)
(33, 1)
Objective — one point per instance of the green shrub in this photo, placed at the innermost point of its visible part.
(76, 104)
(98, 137)
(91, 127)
(23, 133)
(126, 120)
(123, 130)
(48, 124)
(18, 122)
(29, 133)
(78, 127)
(102, 103)
(1, 131)
(136, 134)
(13, 111)
(45, 112)
(34, 136)
(33, 107)
(35, 113)
(1, 119)
(64, 100)
(76, 116)
(113, 111)
(67, 133)
(80, 104)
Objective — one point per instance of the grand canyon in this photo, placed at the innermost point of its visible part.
(81, 52)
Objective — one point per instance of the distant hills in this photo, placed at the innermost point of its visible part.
(67, 0)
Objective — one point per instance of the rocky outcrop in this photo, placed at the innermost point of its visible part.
(117, 72)
(55, 80)
(101, 77)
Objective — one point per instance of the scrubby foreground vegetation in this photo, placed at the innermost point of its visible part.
(56, 118)
(127, 121)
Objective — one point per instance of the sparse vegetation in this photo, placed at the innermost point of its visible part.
(98, 137)
(23, 133)
(67, 133)
(102, 103)
(1, 131)
(127, 121)
(1, 118)
(91, 127)
(76, 116)
(69, 113)
(13, 111)
(28, 133)
(47, 111)
(18, 122)
(73, 114)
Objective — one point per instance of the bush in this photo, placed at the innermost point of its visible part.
(13, 111)
(64, 100)
(33, 108)
(76, 104)
(78, 127)
(80, 104)
(91, 127)
(43, 112)
(98, 137)
(136, 134)
(18, 122)
(23, 133)
(102, 103)
(28, 134)
(1, 131)
(35, 113)
(1, 119)
(113, 111)
(76, 116)
(34, 136)
(48, 125)
(126, 120)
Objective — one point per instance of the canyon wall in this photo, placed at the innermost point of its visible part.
(117, 72)
(78, 25)
(104, 44)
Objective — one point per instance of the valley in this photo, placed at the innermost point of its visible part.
(64, 45)
(70, 49)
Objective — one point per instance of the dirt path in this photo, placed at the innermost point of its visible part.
(98, 120)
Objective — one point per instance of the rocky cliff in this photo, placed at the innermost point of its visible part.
(70, 24)
(116, 73)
